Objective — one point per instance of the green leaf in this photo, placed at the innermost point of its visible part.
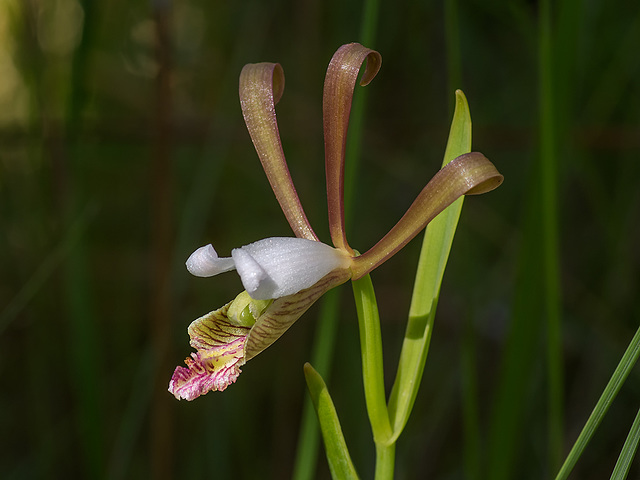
(322, 357)
(433, 259)
(335, 446)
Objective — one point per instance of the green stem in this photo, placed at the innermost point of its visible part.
(621, 470)
(385, 461)
(369, 22)
(372, 365)
(549, 233)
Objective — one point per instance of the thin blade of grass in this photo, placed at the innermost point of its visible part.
(86, 352)
(628, 452)
(452, 38)
(549, 235)
(536, 309)
(356, 122)
(162, 409)
(517, 370)
(322, 355)
(620, 374)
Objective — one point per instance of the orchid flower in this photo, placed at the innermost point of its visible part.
(284, 276)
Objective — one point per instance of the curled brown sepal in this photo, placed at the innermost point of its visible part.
(227, 338)
(339, 85)
(468, 174)
(261, 86)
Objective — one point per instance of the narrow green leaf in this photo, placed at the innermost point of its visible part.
(433, 259)
(335, 446)
(621, 470)
(322, 356)
(548, 231)
(620, 374)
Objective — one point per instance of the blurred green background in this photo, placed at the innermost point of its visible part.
(123, 148)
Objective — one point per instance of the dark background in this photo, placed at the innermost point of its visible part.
(123, 148)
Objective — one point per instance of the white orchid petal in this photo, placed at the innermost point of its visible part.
(204, 262)
(250, 271)
(280, 266)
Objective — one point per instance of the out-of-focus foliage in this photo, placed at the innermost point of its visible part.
(122, 149)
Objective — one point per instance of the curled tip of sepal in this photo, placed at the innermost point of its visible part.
(483, 175)
(278, 82)
(353, 54)
(339, 85)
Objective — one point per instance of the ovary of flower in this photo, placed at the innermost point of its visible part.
(273, 267)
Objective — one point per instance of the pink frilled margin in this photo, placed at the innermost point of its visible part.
(223, 346)
(216, 364)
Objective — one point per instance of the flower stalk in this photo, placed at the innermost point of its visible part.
(372, 360)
